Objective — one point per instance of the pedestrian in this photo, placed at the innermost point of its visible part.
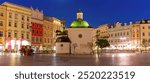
(26, 52)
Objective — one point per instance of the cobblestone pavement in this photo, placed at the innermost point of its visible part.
(106, 59)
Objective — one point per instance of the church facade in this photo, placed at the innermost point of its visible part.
(80, 36)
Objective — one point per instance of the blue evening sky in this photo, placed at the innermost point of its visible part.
(96, 12)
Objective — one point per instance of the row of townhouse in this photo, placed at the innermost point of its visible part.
(127, 36)
(21, 25)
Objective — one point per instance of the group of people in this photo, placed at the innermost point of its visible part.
(26, 51)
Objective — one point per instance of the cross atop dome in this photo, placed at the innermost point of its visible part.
(79, 11)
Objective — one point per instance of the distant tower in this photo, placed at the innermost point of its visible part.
(63, 22)
(80, 14)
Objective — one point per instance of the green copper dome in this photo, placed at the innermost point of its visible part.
(79, 24)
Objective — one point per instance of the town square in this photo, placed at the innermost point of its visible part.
(35, 36)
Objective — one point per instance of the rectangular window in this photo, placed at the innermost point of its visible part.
(127, 33)
(44, 32)
(41, 40)
(22, 25)
(28, 26)
(149, 40)
(33, 39)
(15, 35)
(15, 24)
(143, 27)
(111, 35)
(1, 14)
(124, 33)
(16, 16)
(1, 23)
(22, 36)
(137, 35)
(143, 34)
(48, 40)
(32, 31)
(9, 34)
(149, 34)
(1, 33)
(45, 40)
(37, 39)
(9, 24)
(10, 15)
(36, 32)
(28, 19)
(40, 32)
(115, 35)
(23, 17)
(27, 36)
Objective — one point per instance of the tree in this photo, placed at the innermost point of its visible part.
(102, 43)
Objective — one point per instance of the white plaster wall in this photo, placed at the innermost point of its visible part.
(82, 43)
(63, 50)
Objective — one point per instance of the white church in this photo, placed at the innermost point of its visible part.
(79, 38)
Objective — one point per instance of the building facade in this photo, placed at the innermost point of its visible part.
(47, 33)
(141, 35)
(2, 26)
(120, 36)
(102, 31)
(37, 29)
(56, 25)
(18, 24)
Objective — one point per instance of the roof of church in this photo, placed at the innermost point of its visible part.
(63, 39)
(79, 23)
